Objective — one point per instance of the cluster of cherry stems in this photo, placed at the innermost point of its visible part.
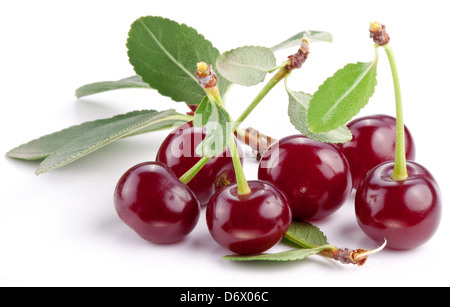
(298, 178)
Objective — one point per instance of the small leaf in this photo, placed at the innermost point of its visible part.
(297, 111)
(315, 36)
(308, 237)
(165, 54)
(291, 255)
(342, 96)
(305, 234)
(103, 86)
(202, 113)
(86, 138)
(246, 65)
(217, 123)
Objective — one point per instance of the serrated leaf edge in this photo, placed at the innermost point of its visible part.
(301, 242)
(103, 143)
(110, 86)
(321, 136)
(158, 43)
(293, 255)
(222, 85)
(9, 153)
(222, 55)
(352, 88)
(247, 46)
(373, 64)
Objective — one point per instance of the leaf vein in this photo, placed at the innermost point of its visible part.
(349, 90)
(169, 55)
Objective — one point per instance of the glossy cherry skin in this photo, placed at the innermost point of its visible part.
(248, 224)
(151, 200)
(406, 213)
(315, 176)
(178, 152)
(373, 142)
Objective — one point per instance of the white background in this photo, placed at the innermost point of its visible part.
(61, 229)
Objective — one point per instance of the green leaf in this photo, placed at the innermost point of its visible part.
(63, 147)
(295, 40)
(44, 146)
(291, 255)
(217, 123)
(165, 54)
(103, 86)
(202, 113)
(108, 133)
(297, 111)
(342, 96)
(246, 65)
(305, 234)
(308, 237)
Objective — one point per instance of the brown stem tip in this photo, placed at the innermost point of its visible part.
(357, 256)
(206, 76)
(346, 256)
(297, 59)
(378, 33)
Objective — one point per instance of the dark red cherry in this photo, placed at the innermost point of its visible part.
(151, 200)
(178, 152)
(406, 213)
(251, 223)
(315, 176)
(373, 142)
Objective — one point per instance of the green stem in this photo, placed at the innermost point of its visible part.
(327, 249)
(190, 174)
(243, 187)
(242, 183)
(400, 171)
(272, 82)
(214, 95)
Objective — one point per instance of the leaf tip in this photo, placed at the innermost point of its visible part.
(38, 172)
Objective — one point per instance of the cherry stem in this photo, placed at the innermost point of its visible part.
(190, 174)
(295, 61)
(241, 181)
(211, 89)
(364, 254)
(264, 91)
(400, 171)
(351, 256)
(214, 95)
(242, 184)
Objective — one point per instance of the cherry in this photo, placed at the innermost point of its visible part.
(373, 142)
(398, 201)
(151, 200)
(250, 223)
(178, 152)
(405, 212)
(315, 176)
